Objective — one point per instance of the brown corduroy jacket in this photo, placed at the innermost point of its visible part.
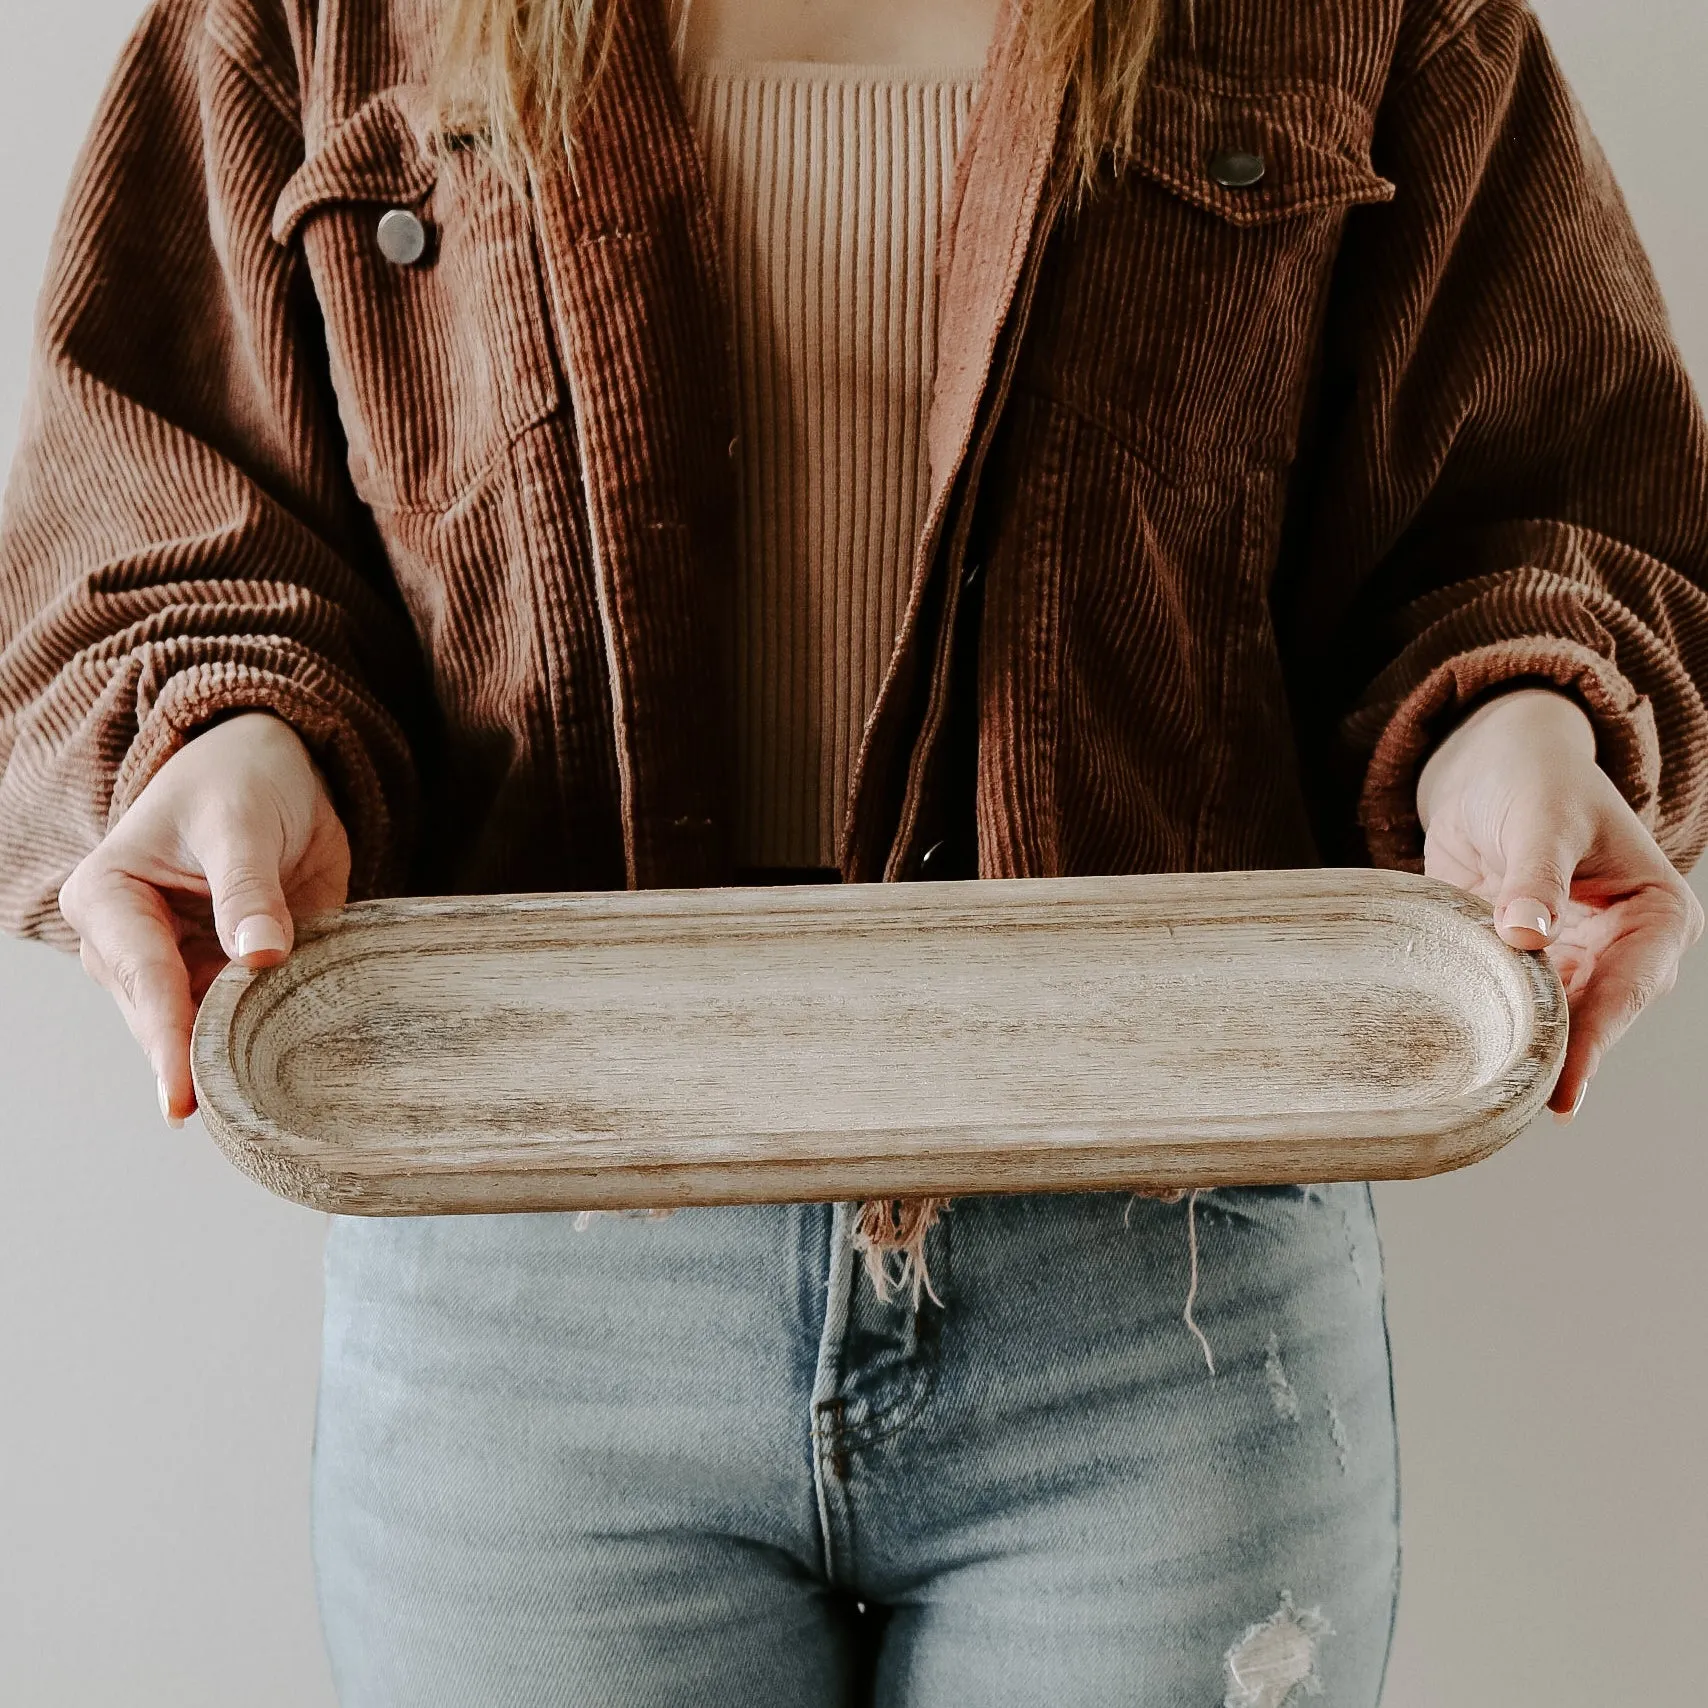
(1240, 493)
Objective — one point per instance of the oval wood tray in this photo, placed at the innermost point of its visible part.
(797, 1044)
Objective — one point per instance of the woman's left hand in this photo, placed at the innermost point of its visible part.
(1515, 809)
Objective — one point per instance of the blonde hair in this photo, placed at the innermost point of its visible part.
(517, 72)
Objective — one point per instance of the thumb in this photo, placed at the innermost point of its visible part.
(251, 916)
(1536, 883)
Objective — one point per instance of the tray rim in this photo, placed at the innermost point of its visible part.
(1451, 1137)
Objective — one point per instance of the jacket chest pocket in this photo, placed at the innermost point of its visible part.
(1181, 306)
(429, 282)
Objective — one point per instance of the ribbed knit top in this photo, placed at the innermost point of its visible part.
(830, 183)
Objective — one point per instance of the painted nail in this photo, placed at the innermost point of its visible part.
(166, 1114)
(1563, 1116)
(259, 934)
(1530, 914)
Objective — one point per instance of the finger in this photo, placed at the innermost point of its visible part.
(102, 974)
(1576, 1072)
(1537, 878)
(1629, 973)
(240, 857)
(130, 947)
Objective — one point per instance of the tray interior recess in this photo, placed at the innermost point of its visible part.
(732, 1045)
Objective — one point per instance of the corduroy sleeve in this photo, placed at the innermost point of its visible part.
(179, 538)
(1517, 462)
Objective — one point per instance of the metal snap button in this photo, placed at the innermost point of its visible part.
(1235, 168)
(401, 236)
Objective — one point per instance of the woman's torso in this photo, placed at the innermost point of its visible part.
(539, 421)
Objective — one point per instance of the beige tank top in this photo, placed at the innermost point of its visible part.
(830, 183)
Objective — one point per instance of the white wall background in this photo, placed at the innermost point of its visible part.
(159, 1314)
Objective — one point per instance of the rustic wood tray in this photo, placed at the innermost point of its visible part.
(797, 1044)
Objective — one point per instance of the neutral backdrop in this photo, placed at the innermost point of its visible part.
(159, 1314)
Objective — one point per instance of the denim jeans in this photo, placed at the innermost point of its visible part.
(697, 1461)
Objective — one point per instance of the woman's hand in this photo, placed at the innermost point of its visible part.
(1516, 809)
(234, 833)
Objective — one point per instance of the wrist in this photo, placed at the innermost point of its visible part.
(1546, 727)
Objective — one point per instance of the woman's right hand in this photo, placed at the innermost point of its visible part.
(233, 835)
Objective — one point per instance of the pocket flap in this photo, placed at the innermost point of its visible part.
(377, 154)
(1314, 143)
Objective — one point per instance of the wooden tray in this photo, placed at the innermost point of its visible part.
(744, 1045)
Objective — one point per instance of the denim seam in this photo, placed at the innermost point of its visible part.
(839, 1290)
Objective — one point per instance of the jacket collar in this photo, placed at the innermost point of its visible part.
(993, 220)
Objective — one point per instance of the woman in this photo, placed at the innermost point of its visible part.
(531, 453)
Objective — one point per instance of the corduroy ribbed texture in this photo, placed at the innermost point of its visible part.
(829, 182)
(1263, 484)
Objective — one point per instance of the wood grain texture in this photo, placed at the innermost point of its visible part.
(668, 1047)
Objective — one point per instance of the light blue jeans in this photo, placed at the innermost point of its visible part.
(696, 1460)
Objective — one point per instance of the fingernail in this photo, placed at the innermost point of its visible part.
(166, 1114)
(1563, 1116)
(1530, 914)
(259, 934)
